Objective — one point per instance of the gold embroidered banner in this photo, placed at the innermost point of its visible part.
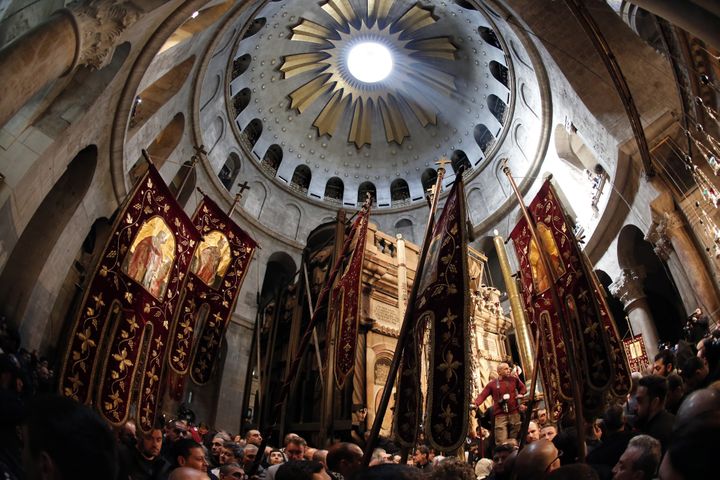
(122, 328)
(345, 300)
(216, 275)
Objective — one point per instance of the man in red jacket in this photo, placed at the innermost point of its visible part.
(506, 410)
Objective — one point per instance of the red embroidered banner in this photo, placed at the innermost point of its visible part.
(122, 329)
(345, 300)
(636, 354)
(216, 275)
(596, 342)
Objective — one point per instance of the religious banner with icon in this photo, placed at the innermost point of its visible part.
(636, 354)
(345, 298)
(216, 274)
(122, 329)
(598, 350)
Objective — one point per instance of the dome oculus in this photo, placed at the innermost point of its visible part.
(369, 62)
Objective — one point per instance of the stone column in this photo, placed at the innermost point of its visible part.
(82, 34)
(663, 249)
(629, 289)
(699, 17)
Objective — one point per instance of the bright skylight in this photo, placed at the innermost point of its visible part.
(369, 62)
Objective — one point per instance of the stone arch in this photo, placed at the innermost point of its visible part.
(293, 215)
(256, 199)
(240, 65)
(428, 179)
(255, 27)
(229, 171)
(301, 178)
(500, 72)
(161, 148)
(272, 158)
(573, 150)
(196, 24)
(217, 130)
(528, 99)
(150, 100)
(404, 226)
(279, 270)
(364, 189)
(520, 134)
(460, 159)
(241, 101)
(489, 36)
(22, 271)
(399, 192)
(492, 274)
(497, 107)
(483, 137)
(477, 206)
(252, 131)
(334, 190)
(183, 183)
(217, 81)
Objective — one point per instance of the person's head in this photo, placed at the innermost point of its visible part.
(253, 437)
(320, 455)
(249, 454)
(614, 418)
(501, 456)
(697, 403)
(295, 448)
(640, 459)
(574, 471)
(537, 460)
(664, 363)
(503, 370)
(276, 457)
(378, 457)
(189, 453)
(676, 390)
(231, 471)
(66, 440)
(344, 458)
(390, 471)
(217, 444)
(301, 470)
(483, 467)
(452, 469)
(421, 455)
(186, 473)
(548, 432)
(651, 394)
(176, 430)
(542, 417)
(533, 432)
(692, 451)
(694, 372)
(231, 453)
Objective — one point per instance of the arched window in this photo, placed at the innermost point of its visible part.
(255, 27)
(272, 159)
(489, 36)
(428, 179)
(241, 100)
(334, 190)
(196, 23)
(301, 178)
(399, 192)
(458, 159)
(500, 72)
(253, 131)
(229, 172)
(364, 189)
(483, 137)
(497, 107)
(405, 228)
(183, 184)
(240, 65)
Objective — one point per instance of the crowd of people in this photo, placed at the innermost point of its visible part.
(665, 428)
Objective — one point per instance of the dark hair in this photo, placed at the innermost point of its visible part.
(77, 440)
(667, 357)
(674, 381)
(614, 418)
(692, 450)
(182, 447)
(453, 469)
(656, 386)
(423, 449)
(298, 470)
(338, 453)
(691, 365)
(389, 471)
(574, 471)
(506, 447)
(235, 448)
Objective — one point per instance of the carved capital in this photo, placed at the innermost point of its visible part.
(660, 241)
(99, 25)
(629, 287)
(673, 221)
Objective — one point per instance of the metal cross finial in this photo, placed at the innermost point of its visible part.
(199, 152)
(442, 162)
(243, 186)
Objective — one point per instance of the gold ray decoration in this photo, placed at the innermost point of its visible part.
(412, 88)
(303, 62)
(341, 11)
(328, 120)
(395, 128)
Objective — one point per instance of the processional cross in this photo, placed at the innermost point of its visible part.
(243, 186)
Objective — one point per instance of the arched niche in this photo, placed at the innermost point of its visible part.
(210, 93)
(301, 178)
(492, 274)
(241, 101)
(255, 199)
(483, 137)
(229, 171)
(29, 255)
(364, 189)
(280, 269)
(404, 227)
(161, 148)
(253, 131)
(183, 183)
(428, 179)
(150, 100)
(196, 24)
(272, 159)
(240, 65)
(572, 149)
(489, 36)
(255, 26)
(497, 107)
(460, 159)
(399, 192)
(334, 190)
(500, 72)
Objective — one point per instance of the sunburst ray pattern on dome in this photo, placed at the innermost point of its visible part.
(418, 82)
